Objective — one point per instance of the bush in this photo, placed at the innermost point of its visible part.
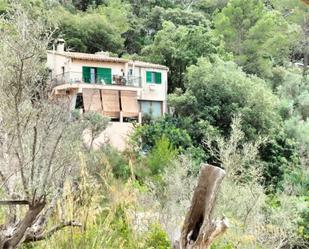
(157, 238)
(108, 159)
(278, 154)
(161, 155)
(147, 135)
(118, 163)
(303, 224)
(296, 181)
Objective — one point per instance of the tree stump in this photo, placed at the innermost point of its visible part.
(199, 229)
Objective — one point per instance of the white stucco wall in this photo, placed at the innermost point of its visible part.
(77, 66)
(155, 92)
(56, 62)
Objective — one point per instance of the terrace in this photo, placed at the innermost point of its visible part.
(96, 79)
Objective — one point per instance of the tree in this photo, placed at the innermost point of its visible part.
(292, 88)
(210, 6)
(85, 4)
(259, 38)
(39, 141)
(235, 20)
(218, 90)
(95, 30)
(257, 220)
(260, 220)
(96, 123)
(145, 25)
(297, 13)
(179, 47)
(177, 16)
(269, 43)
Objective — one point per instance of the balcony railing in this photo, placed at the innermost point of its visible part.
(78, 77)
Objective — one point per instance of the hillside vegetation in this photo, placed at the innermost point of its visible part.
(239, 99)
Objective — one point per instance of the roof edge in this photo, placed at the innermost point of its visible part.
(96, 57)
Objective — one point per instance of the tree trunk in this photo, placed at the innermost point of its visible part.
(33, 226)
(11, 240)
(199, 230)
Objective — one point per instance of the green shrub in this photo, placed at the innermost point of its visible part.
(108, 159)
(296, 181)
(156, 238)
(177, 131)
(303, 224)
(161, 155)
(278, 154)
(147, 135)
(219, 246)
(118, 162)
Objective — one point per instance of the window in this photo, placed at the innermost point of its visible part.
(151, 108)
(97, 75)
(93, 75)
(153, 77)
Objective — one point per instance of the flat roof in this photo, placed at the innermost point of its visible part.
(102, 57)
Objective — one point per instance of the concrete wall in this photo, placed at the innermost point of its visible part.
(116, 134)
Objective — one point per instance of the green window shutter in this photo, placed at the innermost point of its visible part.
(86, 74)
(148, 76)
(104, 74)
(158, 78)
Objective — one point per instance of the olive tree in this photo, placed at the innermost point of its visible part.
(38, 140)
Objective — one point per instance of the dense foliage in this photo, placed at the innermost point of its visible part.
(217, 90)
(228, 59)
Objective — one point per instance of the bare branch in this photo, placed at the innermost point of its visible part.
(51, 159)
(34, 145)
(34, 237)
(14, 202)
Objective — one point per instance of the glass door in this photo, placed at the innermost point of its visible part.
(92, 75)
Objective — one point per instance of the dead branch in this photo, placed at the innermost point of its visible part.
(34, 236)
(14, 202)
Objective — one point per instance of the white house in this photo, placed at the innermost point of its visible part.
(121, 89)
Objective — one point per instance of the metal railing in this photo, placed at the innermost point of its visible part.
(78, 77)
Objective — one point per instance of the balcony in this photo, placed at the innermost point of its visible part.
(79, 78)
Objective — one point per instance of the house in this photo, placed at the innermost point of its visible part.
(120, 89)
